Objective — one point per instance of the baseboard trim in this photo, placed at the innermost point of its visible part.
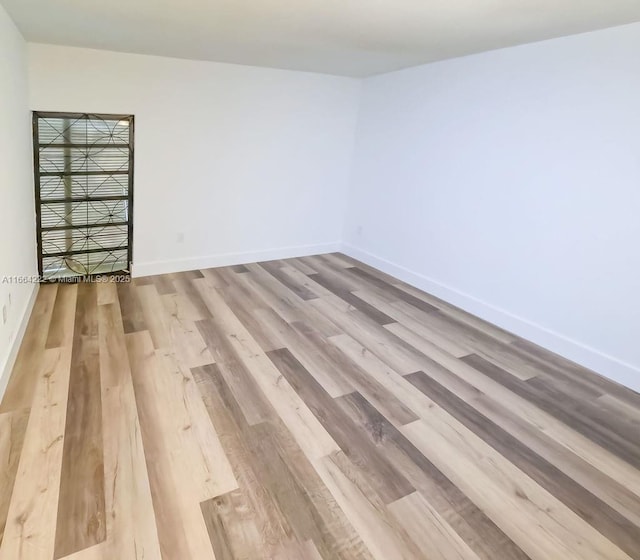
(228, 259)
(617, 370)
(7, 367)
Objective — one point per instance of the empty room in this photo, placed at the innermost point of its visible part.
(320, 280)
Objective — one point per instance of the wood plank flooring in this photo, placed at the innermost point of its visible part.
(309, 408)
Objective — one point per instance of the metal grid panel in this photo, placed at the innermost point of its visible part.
(84, 193)
(55, 187)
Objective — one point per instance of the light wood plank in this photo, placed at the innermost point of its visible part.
(130, 520)
(107, 292)
(182, 532)
(21, 386)
(384, 537)
(386, 346)
(195, 439)
(575, 442)
(13, 426)
(428, 530)
(308, 432)
(30, 532)
(81, 507)
(155, 318)
(322, 368)
(510, 498)
(304, 408)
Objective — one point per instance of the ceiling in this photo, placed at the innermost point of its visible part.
(348, 37)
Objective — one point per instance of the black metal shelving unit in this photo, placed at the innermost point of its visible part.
(84, 193)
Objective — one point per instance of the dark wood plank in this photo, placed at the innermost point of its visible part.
(187, 288)
(353, 300)
(386, 402)
(281, 495)
(221, 278)
(479, 342)
(288, 305)
(13, 426)
(275, 269)
(390, 289)
(301, 496)
(474, 527)
(164, 284)
(239, 268)
(387, 346)
(617, 495)
(594, 511)
(236, 437)
(616, 422)
(231, 526)
(614, 405)
(628, 450)
(350, 262)
(60, 328)
(190, 274)
(562, 384)
(384, 477)
(317, 363)
(576, 375)
(81, 505)
(252, 401)
(132, 317)
(244, 303)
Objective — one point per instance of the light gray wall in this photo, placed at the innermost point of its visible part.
(244, 163)
(509, 183)
(17, 214)
(505, 182)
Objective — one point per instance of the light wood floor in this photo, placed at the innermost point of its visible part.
(306, 408)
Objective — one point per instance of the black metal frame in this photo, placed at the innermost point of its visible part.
(37, 146)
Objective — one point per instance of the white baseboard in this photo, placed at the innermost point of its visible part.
(228, 259)
(617, 370)
(7, 367)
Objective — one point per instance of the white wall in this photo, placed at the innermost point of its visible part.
(17, 214)
(246, 163)
(509, 183)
